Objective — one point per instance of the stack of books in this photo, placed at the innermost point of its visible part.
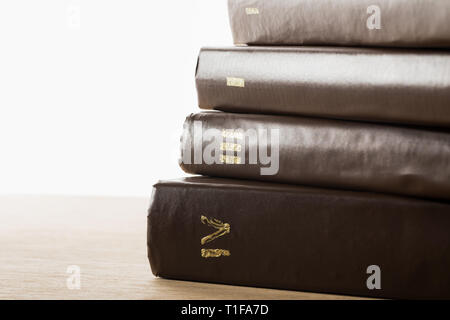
(325, 161)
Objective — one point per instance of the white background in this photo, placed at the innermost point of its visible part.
(93, 93)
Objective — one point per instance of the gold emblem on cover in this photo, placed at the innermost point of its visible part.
(222, 229)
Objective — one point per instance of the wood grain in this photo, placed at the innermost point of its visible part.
(40, 236)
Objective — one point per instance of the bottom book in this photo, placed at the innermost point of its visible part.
(291, 237)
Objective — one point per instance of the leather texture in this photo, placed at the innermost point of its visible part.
(402, 23)
(329, 153)
(299, 238)
(376, 85)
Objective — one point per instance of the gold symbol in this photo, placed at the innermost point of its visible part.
(222, 229)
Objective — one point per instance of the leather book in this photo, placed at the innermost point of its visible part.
(291, 237)
(318, 152)
(399, 23)
(371, 84)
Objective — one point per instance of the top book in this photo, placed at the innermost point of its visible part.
(391, 23)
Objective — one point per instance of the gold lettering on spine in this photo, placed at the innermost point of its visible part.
(228, 146)
(230, 159)
(232, 134)
(215, 253)
(235, 82)
(222, 229)
(251, 11)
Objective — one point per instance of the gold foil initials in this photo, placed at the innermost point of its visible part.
(215, 253)
(235, 82)
(251, 11)
(222, 229)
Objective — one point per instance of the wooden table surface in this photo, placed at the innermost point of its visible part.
(40, 236)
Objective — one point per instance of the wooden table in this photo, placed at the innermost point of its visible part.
(41, 236)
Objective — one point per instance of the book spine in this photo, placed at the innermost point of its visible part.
(341, 83)
(305, 239)
(327, 153)
(400, 23)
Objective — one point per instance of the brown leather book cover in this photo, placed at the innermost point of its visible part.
(318, 152)
(291, 237)
(399, 23)
(377, 85)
